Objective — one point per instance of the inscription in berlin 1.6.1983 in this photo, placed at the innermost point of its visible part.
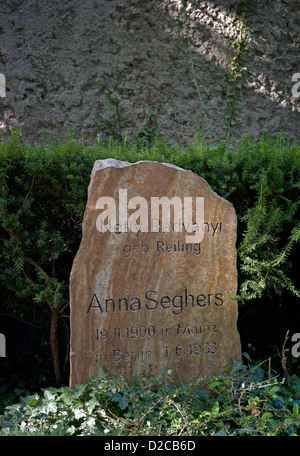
(151, 283)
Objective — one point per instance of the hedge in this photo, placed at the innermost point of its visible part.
(43, 197)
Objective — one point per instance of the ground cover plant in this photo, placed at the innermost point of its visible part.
(42, 201)
(247, 402)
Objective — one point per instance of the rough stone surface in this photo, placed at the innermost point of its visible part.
(176, 313)
(60, 58)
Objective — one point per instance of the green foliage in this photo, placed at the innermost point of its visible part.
(43, 195)
(246, 402)
(42, 199)
(115, 126)
(188, 8)
(150, 131)
(241, 47)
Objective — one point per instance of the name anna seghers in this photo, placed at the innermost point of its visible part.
(152, 301)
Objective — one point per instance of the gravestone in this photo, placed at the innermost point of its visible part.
(151, 283)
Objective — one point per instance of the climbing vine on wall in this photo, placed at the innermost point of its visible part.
(240, 47)
(237, 67)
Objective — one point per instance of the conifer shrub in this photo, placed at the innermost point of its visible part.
(42, 200)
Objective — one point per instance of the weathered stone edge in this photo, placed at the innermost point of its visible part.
(113, 163)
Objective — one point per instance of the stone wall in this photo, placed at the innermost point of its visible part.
(61, 58)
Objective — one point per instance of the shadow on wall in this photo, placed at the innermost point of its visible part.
(60, 59)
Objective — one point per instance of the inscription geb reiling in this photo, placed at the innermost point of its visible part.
(159, 324)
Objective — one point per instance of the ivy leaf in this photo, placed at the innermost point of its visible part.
(51, 407)
(216, 408)
(295, 410)
(49, 395)
(214, 384)
(79, 414)
(123, 402)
